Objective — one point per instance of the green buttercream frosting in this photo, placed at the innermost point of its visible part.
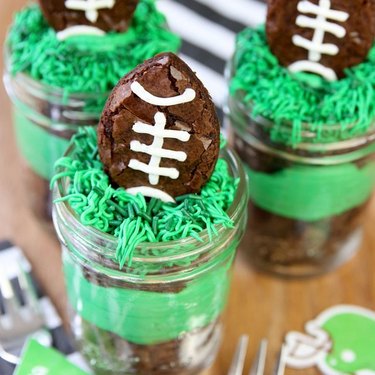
(312, 193)
(333, 111)
(90, 63)
(147, 317)
(38, 147)
(135, 219)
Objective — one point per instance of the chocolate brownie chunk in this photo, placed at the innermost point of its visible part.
(188, 354)
(159, 129)
(291, 247)
(347, 37)
(107, 15)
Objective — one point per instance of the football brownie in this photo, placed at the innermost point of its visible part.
(159, 130)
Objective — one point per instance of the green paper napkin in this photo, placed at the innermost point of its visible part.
(40, 360)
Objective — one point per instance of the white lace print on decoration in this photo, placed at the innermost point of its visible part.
(156, 150)
(316, 47)
(91, 9)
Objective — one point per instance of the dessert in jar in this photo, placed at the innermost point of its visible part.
(149, 212)
(61, 60)
(301, 112)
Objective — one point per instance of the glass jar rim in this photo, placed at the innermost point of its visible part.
(334, 152)
(52, 108)
(44, 90)
(306, 134)
(266, 123)
(62, 210)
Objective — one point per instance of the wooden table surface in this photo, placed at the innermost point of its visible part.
(259, 305)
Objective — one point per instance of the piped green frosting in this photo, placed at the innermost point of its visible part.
(90, 63)
(332, 110)
(135, 219)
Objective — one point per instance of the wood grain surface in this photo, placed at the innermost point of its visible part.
(259, 305)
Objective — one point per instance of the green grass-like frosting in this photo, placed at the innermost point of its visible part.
(86, 64)
(135, 219)
(303, 101)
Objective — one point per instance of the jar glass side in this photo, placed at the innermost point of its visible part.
(165, 319)
(306, 202)
(44, 119)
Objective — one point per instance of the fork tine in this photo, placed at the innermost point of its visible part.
(260, 361)
(280, 364)
(238, 361)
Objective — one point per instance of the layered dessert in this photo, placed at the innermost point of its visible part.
(150, 211)
(62, 60)
(302, 115)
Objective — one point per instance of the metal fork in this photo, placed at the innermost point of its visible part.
(21, 318)
(258, 365)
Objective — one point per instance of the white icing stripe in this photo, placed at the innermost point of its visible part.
(139, 90)
(328, 49)
(153, 165)
(155, 150)
(323, 9)
(153, 170)
(328, 27)
(151, 192)
(79, 30)
(141, 127)
(158, 132)
(313, 67)
(90, 7)
(160, 152)
(316, 47)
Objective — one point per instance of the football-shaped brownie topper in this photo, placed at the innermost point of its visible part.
(159, 134)
(320, 36)
(87, 17)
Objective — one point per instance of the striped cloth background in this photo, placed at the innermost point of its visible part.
(11, 256)
(208, 29)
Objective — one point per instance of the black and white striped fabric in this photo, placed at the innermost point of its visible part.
(208, 29)
(11, 256)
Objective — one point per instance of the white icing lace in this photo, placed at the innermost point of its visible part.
(316, 47)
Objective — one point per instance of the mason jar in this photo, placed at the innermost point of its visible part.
(45, 118)
(162, 314)
(306, 200)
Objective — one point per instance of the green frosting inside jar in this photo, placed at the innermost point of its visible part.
(147, 317)
(300, 103)
(184, 300)
(39, 148)
(312, 193)
(86, 64)
(135, 219)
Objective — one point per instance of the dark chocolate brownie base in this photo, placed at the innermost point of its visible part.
(188, 354)
(109, 354)
(103, 280)
(294, 246)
